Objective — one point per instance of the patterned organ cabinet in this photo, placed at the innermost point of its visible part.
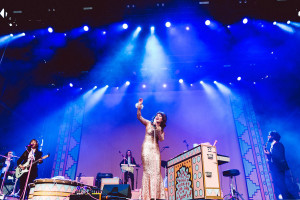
(194, 174)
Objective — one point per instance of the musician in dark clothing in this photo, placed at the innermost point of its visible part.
(7, 167)
(128, 159)
(31, 154)
(278, 165)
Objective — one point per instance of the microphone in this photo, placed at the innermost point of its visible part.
(166, 147)
(29, 145)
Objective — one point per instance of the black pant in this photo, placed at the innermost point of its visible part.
(278, 177)
(131, 176)
(23, 182)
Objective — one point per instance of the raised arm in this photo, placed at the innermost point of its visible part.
(139, 114)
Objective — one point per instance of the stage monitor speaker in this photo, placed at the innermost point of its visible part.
(116, 191)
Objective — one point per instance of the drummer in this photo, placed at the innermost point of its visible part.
(128, 159)
(7, 166)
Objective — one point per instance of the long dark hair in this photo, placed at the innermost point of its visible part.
(37, 147)
(164, 119)
(127, 153)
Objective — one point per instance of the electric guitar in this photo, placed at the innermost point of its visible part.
(20, 172)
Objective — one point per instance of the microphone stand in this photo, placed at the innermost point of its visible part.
(4, 177)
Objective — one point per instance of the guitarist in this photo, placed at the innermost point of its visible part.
(129, 159)
(30, 155)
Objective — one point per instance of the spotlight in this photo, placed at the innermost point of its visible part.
(288, 22)
(103, 32)
(50, 30)
(215, 82)
(152, 28)
(81, 88)
(254, 83)
(207, 22)
(164, 85)
(228, 26)
(139, 28)
(106, 86)
(230, 83)
(245, 21)
(71, 84)
(201, 82)
(274, 23)
(180, 81)
(23, 34)
(125, 26)
(65, 34)
(95, 87)
(187, 28)
(239, 78)
(117, 88)
(144, 86)
(11, 35)
(191, 85)
(85, 28)
(127, 83)
(168, 24)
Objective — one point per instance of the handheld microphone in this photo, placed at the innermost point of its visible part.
(29, 145)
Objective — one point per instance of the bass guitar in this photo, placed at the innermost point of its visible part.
(20, 172)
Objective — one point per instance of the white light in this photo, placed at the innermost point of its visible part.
(164, 85)
(65, 34)
(117, 88)
(187, 28)
(106, 86)
(239, 78)
(125, 26)
(23, 34)
(139, 28)
(168, 24)
(191, 85)
(228, 26)
(274, 23)
(127, 83)
(245, 21)
(152, 28)
(230, 83)
(201, 82)
(85, 28)
(298, 13)
(207, 22)
(71, 84)
(254, 83)
(288, 22)
(11, 35)
(50, 30)
(81, 88)
(180, 81)
(215, 82)
(144, 86)
(95, 87)
(103, 32)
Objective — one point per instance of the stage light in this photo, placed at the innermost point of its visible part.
(191, 85)
(245, 21)
(57, 89)
(85, 28)
(144, 86)
(187, 28)
(201, 82)
(125, 26)
(139, 28)
(103, 32)
(230, 83)
(180, 81)
(298, 13)
(254, 83)
(127, 83)
(50, 30)
(81, 88)
(164, 85)
(11, 35)
(33, 36)
(215, 82)
(228, 26)
(95, 87)
(168, 24)
(65, 34)
(117, 88)
(207, 22)
(288, 22)
(239, 78)
(106, 86)
(23, 34)
(152, 29)
(71, 84)
(274, 23)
